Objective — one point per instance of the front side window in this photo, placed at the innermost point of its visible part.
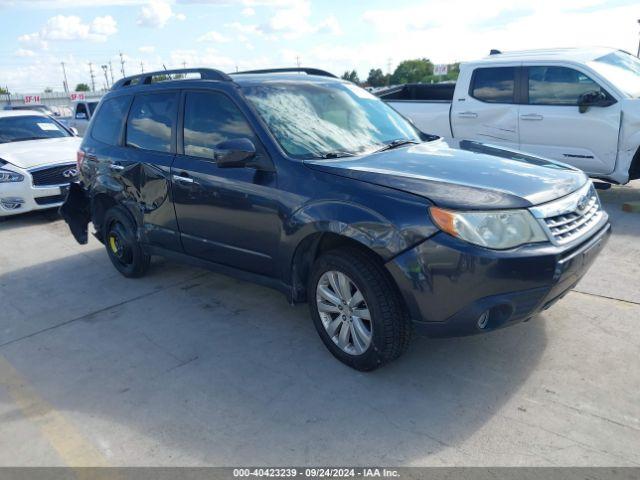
(313, 120)
(29, 127)
(209, 119)
(151, 121)
(494, 85)
(107, 126)
(558, 86)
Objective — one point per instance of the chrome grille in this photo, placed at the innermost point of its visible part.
(572, 217)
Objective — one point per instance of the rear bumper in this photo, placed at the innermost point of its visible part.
(448, 284)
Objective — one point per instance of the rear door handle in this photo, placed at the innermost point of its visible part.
(180, 178)
(468, 115)
(531, 116)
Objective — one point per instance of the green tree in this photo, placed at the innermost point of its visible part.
(48, 90)
(351, 76)
(3, 91)
(413, 71)
(82, 87)
(376, 78)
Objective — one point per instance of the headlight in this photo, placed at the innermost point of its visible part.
(499, 229)
(7, 176)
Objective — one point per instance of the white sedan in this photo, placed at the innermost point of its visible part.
(37, 161)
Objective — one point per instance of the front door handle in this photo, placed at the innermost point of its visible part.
(180, 178)
(468, 115)
(116, 168)
(531, 116)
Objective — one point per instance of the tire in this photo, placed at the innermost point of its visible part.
(389, 325)
(123, 248)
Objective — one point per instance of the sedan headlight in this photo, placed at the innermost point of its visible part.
(498, 229)
(7, 176)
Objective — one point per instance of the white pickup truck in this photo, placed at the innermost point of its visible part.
(82, 112)
(578, 106)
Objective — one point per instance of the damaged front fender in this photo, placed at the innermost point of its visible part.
(76, 211)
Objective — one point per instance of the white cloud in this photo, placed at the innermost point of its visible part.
(23, 52)
(181, 17)
(147, 49)
(155, 14)
(66, 28)
(213, 36)
(248, 12)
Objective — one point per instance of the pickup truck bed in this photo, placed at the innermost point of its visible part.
(410, 100)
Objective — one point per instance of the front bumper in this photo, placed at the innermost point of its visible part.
(22, 197)
(448, 284)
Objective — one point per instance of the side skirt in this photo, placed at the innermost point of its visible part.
(224, 269)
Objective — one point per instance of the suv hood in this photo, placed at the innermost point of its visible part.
(34, 153)
(478, 177)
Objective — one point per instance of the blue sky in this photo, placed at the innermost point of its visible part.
(36, 35)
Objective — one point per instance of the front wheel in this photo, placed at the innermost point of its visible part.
(357, 310)
(124, 250)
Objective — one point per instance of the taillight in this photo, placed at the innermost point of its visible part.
(80, 159)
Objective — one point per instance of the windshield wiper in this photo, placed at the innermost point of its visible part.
(397, 143)
(336, 154)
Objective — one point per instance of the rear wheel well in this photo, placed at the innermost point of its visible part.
(99, 206)
(309, 250)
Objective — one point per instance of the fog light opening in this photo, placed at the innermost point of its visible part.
(11, 203)
(483, 320)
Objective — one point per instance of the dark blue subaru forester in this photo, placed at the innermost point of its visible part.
(303, 182)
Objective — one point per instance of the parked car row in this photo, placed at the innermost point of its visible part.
(303, 182)
(577, 106)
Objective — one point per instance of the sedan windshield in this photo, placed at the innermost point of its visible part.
(29, 127)
(622, 69)
(328, 120)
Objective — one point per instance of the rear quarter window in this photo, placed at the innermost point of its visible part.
(494, 85)
(109, 119)
(152, 121)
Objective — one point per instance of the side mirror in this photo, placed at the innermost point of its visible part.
(81, 116)
(74, 130)
(235, 153)
(595, 98)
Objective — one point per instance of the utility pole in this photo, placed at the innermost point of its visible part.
(111, 72)
(298, 61)
(184, 64)
(388, 71)
(638, 55)
(122, 65)
(141, 67)
(93, 77)
(106, 78)
(65, 83)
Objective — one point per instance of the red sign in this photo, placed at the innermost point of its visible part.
(77, 96)
(28, 99)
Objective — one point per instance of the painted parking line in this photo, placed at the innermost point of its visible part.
(72, 447)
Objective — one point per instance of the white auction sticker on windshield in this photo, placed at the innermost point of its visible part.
(47, 127)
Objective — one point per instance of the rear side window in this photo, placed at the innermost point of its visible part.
(494, 85)
(558, 85)
(152, 121)
(107, 125)
(211, 118)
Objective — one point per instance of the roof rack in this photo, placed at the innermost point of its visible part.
(308, 71)
(147, 78)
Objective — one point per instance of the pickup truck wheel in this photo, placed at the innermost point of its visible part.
(356, 309)
(124, 251)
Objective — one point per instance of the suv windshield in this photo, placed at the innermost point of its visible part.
(622, 69)
(29, 127)
(325, 120)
